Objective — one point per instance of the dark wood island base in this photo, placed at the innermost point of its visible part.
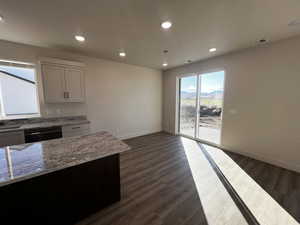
(62, 197)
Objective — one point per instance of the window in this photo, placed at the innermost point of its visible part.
(18, 90)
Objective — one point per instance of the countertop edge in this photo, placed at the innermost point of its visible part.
(19, 179)
(68, 123)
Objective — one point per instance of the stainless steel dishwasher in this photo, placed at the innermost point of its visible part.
(42, 134)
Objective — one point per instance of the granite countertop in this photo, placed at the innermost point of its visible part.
(45, 124)
(53, 124)
(21, 162)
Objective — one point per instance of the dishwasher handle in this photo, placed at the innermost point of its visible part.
(41, 132)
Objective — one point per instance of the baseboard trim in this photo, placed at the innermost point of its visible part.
(138, 134)
(260, 157)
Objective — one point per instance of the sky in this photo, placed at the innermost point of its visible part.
(26, 73)
(209, 82)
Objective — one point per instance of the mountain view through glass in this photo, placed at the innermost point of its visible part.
(210, 89)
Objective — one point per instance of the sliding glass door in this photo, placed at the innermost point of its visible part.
(201, 106)
(210, 106)
(188, 105)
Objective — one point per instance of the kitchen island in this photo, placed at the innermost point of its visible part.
(59, 181)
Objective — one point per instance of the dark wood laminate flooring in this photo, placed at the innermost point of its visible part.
(282, 184)
(157, 186)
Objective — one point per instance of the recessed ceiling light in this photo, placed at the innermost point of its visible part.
(1, 19)
(166, 25)
(80, 38)
(262, 41)
(165, 64)
(122, 54)
(212, 49)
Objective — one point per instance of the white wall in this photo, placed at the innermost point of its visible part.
(123, 99)
(261, 101)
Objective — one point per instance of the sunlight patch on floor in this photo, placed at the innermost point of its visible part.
(217, 204)
(266, 210)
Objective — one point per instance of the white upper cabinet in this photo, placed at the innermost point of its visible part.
(62, 82)
(53, 81)
(74, 85)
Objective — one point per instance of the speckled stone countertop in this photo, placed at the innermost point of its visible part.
(43, 122)
(22, 162)
(53, 124)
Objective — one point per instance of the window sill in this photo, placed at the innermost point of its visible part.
(23, 116)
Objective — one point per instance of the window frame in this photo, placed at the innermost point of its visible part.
(177, 103)
(3, 115)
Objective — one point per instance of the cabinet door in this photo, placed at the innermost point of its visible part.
(12, 138)
(54, 84)
(74, 85)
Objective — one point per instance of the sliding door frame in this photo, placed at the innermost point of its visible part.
(198, 86)
(178, 102)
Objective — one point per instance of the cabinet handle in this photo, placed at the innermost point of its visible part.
(73, 128)
(34, 133)
(66, 94)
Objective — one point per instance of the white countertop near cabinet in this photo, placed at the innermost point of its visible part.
(70, 126)
(45, 124)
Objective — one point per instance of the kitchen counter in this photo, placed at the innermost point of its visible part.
(50, 123)
(21, 162)
(60, 181)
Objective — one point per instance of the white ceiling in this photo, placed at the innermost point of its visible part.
(134, 25)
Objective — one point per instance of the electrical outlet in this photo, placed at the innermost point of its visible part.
(49, 112)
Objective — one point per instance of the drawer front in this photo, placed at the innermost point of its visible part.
(75, 130)
(71, 128)
(12, 138)
(75, 133)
